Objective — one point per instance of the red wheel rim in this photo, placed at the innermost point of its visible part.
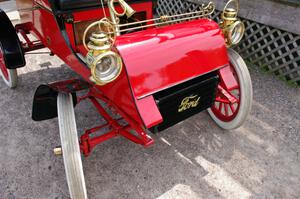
(227, 102)
(3, 68)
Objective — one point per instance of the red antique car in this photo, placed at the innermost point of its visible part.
(151, 71)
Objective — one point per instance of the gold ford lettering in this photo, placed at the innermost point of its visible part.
(189, 102)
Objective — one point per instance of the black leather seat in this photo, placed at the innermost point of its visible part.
(65, 5)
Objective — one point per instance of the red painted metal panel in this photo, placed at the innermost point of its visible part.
(228, 80)
(149, 111)
(162, 57)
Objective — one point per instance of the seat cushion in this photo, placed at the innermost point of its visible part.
(65, 5)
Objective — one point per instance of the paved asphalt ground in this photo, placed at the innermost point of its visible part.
(194, 159)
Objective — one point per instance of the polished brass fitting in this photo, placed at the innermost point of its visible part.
(233, 29)
(99, 42)
(57, 151)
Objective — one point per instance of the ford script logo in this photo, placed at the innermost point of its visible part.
(189, 102)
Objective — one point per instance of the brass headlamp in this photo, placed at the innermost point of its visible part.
(105, 64)
(233, 28)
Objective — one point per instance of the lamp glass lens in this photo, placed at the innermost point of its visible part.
(107, 68)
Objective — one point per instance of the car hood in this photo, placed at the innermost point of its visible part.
(159, 58)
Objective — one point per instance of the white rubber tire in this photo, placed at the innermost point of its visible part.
(13, 78)
(70, 147)
(246, 93)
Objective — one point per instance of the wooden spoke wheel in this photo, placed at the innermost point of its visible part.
(70, 147)
(234, 97)
(9, 76)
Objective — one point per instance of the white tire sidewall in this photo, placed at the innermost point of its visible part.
(12, 78)
(70, 147)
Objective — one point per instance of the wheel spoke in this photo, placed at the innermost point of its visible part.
(226, 109)
(219, 99)
(220, 107)
(226, 94)
(237, 87)
(232, 108)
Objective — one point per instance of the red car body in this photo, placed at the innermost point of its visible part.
(154, 59)
(161, 66)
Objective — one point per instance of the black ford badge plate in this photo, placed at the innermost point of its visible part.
(185, 100)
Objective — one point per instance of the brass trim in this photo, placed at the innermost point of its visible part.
(100, 57)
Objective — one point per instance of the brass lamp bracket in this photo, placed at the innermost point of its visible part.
(231, 13)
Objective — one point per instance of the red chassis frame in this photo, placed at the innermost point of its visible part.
(45, 28)
(88, 141)
(24, 30)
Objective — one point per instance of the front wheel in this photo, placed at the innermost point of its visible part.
(70, 147)
(234, 97)
(9, 76)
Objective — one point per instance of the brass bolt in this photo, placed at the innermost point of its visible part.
(57, 151)
(164, 18)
